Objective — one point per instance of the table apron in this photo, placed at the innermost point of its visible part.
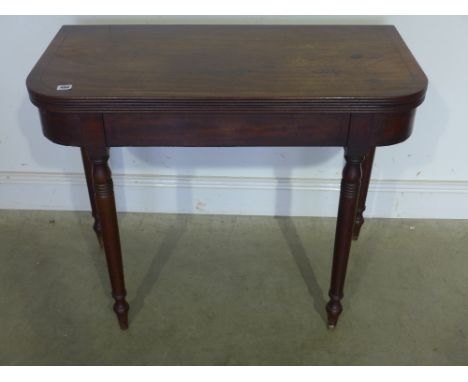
(226, 129)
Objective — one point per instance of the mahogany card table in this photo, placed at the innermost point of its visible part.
(227, 85)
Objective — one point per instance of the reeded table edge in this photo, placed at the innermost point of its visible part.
(216, 105)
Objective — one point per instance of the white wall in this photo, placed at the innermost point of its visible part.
(426, 176)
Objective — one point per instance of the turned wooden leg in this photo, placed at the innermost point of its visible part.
(366, 175)
(105, 203)
(344, 229)
(89, 182)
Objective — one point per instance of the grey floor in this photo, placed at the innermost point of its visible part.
(231, 290)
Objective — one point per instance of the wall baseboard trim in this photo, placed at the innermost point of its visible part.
(235, 195)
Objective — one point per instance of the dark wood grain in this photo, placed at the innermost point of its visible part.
(241, 67)
(228, 85)
(226, 130)
(205, 129)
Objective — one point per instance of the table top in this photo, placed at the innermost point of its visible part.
(183, 67)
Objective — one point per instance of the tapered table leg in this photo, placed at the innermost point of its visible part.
(89, 182)
(105, 203)
(366, 175)
(344, 229)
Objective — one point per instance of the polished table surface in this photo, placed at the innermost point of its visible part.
(227, 85)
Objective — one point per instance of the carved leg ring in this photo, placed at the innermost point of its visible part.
(105, 203)
(366, 175)
(344, 229)
(89, 181)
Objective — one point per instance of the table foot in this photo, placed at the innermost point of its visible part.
(121, 308)
(358, 223)
(334, 309)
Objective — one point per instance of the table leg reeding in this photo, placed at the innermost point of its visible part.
(350, 186)
(89, 182)
(105, 203)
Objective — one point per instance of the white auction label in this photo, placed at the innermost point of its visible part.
(64, 87)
